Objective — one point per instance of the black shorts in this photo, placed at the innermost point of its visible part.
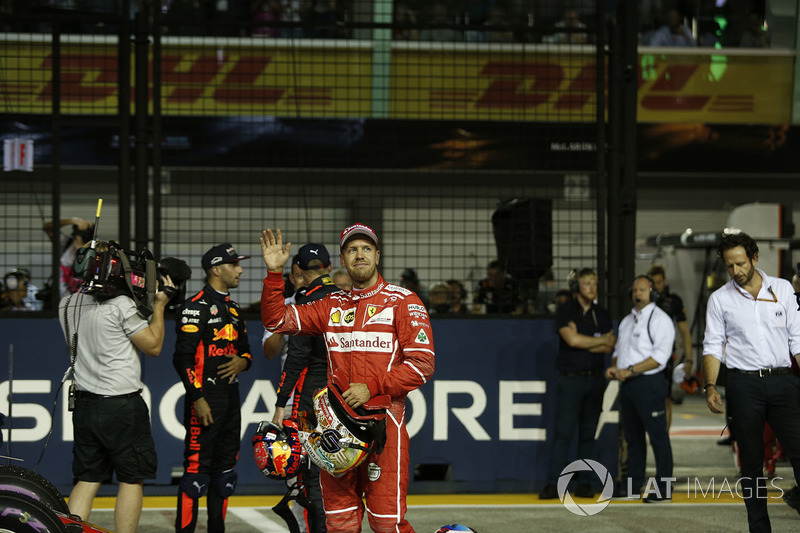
(112, 435)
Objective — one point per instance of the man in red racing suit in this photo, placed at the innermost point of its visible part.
(379, 340)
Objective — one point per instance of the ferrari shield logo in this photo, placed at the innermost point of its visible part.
(422, 338)
(371, 310)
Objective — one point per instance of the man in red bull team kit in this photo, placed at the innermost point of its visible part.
(379, 342)
(210, 351)
(305, 369)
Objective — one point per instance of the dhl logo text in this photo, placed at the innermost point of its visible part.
(202, 81)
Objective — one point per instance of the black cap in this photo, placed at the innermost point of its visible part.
(220, 254)
(311, 251)
(409, 275)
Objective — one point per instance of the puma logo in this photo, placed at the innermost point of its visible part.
(198, 485)
(212, 380)
(230, 486)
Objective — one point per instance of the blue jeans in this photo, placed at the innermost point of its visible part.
(579, 403)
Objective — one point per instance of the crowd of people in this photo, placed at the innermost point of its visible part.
(749, 346)
(319, 319)
(330, 324)
(496, 294)
(661, 23)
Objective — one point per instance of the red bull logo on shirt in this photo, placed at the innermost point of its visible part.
(227, 332)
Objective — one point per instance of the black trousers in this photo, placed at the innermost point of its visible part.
(753, 400)
(316, 511)
(211, 450)
(579, 403)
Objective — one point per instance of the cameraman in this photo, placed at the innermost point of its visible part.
(105, 332)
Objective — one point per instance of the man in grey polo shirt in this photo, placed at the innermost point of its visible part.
(105, 332)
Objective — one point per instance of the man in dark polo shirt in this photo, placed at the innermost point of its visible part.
(585, 336)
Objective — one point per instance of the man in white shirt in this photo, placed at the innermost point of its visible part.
(643, 348)
(754, 320)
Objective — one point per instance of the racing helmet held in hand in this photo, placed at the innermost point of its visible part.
(336, 437)
(278, 451)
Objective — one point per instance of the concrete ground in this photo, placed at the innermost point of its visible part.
(704, 498)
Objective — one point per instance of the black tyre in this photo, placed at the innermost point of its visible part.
(17, 479)
(23, 514)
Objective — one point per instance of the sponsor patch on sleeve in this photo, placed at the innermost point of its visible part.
(417, 308)
(422, 338)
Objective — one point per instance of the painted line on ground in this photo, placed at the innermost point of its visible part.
(258, 520)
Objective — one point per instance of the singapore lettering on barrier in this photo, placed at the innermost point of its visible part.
(32, 419)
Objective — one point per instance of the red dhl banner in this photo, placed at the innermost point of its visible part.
(197, 80)
(559, 87)
(425, 84)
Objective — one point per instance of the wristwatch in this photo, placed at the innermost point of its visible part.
(630, 369)
(709, 386)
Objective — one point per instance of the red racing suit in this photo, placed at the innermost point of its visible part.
(380, 336)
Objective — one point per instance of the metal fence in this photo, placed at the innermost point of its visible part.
(425, 128)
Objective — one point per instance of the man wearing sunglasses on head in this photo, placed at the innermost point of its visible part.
(753, 320)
